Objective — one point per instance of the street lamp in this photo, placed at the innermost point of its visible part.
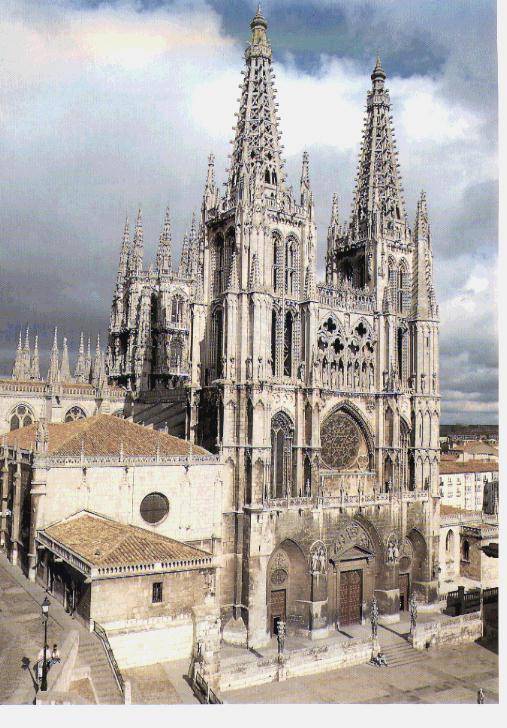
(45, 613)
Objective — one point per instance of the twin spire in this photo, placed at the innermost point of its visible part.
(378, 206)
(26, 364)
(256, 162)
(132, 253)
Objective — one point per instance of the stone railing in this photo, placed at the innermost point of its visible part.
(125, 460)
(291, 501)
(14, 386)
(362, 499)
(346, 298)
(305, 661)
(451, 631)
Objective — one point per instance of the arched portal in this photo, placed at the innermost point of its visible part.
(287, 588)
(353, 557)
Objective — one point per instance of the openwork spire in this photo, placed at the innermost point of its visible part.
(79, 371)
(54, 367)
(424, 292)
(17, 370)
(96, 373)
(88, 362)
(164, 252)
(378, 200)
(124, 255)
(26, 356)
(35, 365)
(256, 147)
(306, 194)
(137, 253)
(65, 366)
(184, 258)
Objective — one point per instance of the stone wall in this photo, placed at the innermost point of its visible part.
(295, 663)
(117, 490)
(452, 631)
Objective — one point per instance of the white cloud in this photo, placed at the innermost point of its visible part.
(102, 109)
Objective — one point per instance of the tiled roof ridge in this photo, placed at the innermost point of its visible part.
(126, 537)
(106, 434)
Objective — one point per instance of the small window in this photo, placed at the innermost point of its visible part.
(156, 593)
(154, 508)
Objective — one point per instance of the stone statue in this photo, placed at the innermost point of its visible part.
(413, 613)
(374, 614)
(280, 637)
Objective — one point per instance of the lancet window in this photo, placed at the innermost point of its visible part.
(21, 417)
(288, 343)
(291, 264)
(282, 437)
(177, 310)
(217, 338)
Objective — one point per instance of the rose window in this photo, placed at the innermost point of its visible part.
(343, 444)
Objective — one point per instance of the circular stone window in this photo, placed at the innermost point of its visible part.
(343, 445)
(154, 508)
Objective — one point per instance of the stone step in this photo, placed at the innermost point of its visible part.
(401, 654)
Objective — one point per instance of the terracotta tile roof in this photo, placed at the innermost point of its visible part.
(480, 447)
(104, 435)
(454, 511)
(103, 542)
(472, 466)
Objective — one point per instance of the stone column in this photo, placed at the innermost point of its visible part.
(207, 636)
(37, 493)
(16, 510)
(318, 606)
(389, 597)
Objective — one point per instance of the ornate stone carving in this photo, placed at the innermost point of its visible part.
(318, 558)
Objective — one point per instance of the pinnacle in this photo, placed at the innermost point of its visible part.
(378, 71)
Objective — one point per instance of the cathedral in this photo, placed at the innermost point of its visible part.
(319, 398)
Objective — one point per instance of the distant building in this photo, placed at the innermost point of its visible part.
(468, 544)
(462, 484)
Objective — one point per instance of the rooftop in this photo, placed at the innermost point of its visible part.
(447, 467)
(102, 542)
(103, 435)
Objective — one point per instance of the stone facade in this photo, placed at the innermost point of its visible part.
(321, 398)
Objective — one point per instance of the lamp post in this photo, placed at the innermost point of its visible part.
(45, 614)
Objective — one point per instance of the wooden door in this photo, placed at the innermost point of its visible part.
(404, 584)
(278, 609)
(351, 584)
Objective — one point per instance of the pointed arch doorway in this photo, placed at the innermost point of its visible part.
(288, 588)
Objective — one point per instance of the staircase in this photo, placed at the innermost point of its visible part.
(397, 649)
(92, 662)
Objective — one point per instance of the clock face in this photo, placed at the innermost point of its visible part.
(343, 446)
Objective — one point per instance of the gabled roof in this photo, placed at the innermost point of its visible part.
(101, 542)
(102, 435)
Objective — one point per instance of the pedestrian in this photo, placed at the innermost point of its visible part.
(480, 696)
(55, 656)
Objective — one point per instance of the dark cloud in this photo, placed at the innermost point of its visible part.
(86, 137)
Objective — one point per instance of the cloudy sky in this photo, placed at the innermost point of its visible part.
(105, 105)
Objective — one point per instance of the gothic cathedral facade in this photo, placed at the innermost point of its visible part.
(322, 398)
